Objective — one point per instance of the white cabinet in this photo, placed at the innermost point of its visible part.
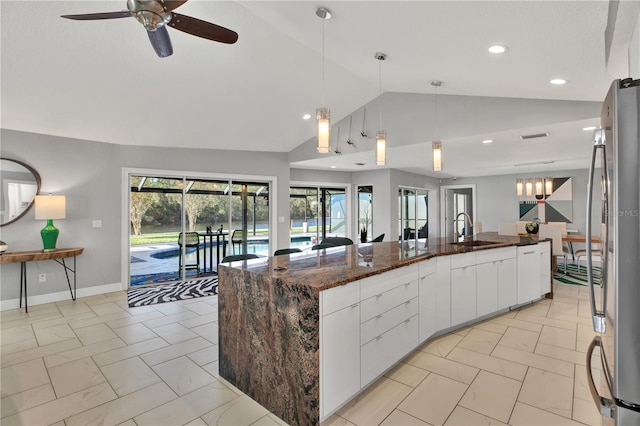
(545, 267)
(528, 273)
(507, 282)
(487, 288)
(443, 292)
(463, 294)
(427, 298)
(339, 345)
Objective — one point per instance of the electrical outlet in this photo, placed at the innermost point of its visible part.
(42, 277)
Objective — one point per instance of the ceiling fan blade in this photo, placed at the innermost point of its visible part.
(173, 4)
(161, 42)
(203, 29)
(104, 15)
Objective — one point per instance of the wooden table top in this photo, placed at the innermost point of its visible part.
(579, 238)
(28, 256)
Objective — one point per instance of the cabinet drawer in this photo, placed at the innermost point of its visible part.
(428, 267)
(491, 255)
(340, 297)
(383, 302)
(385, 350)
(377, 284)
(462, 260)
(386, 321)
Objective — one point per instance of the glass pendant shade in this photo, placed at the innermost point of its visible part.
(436, 147)
(539, 188)
(548, 186)
(529, 187)
(381, 147)
(323, 118)
(519, 187)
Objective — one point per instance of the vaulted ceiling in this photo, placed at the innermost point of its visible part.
(102, 81)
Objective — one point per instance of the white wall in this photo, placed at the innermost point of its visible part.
(634, 51)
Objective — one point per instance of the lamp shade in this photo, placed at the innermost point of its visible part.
(50, 207)
(381, 147)
(436, 148)
(548, 186)
(323, 118)
(519, 187)
(529, 187)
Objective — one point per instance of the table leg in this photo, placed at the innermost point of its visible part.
(66, 272)
(23, 283)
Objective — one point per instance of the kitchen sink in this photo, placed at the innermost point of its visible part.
(475, 243)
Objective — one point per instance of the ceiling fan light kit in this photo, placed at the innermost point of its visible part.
(156, 15)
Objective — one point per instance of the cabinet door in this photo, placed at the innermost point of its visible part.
(463, 294)
(528, 273)
(507, 288)
(487, 288)
(545, 267)
(443, 292)
(427, 306)
(339, 357)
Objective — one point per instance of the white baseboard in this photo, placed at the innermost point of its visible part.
(40, 299)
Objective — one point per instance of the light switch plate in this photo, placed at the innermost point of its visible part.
(97, 223)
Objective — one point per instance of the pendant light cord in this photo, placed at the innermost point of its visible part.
(323, 19)
(437, 130)
(380, 87)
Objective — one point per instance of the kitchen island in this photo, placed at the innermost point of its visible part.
(302, 334)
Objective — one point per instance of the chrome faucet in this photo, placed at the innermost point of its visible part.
(468, 231)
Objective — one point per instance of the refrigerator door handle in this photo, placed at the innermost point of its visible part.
(598, 144)
(606, 406)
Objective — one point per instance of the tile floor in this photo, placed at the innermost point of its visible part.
(96, 361)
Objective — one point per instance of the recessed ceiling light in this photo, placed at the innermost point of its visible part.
(487, 141)
(306, 116)
(497, 48)
(333, 167)
(587, 129)
(558, 81)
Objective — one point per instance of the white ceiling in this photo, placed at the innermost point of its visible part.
(101, 80)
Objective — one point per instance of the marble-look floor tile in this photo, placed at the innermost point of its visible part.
(28, 399)
(201, 308)
(175, 351)
(205, 356)
(240, 411)
(534, 360)
(492, 395)
(24, 376)
(375, 403)
(106, 308)
(397, 418)
(38, 352)
(586, 412)
(82, 352)
(433, 400)
(74, 308)
(199, 320)
(336, 420)
(480, 341)
(552, 322)
(54, 334)
(490, 363)
(441, 346)
(511, 322)
(548, 391)
(94, 334)
(268, 420)
(75, 376)
(407, 374)
(520, 339)
(170, 319)
(14, 335)
(123, 409)
(559, 353)
(102, 319)
(559, 337)
(443, 366)
(188, 407)
(61, 408)
(129, 351)
(183, 375)
(174, 333)
(135, 318)
(489, 326)
(464, 417)
(129, 375)
(207, 331)
(526, 415)
(134, 333)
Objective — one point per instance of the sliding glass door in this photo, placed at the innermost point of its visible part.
(413, 209)
(317, 213)
(182, 227)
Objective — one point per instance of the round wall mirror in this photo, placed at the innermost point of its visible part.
(19, 184)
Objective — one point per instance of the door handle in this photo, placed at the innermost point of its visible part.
(606, 406)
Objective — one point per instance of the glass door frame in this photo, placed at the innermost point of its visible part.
(401, 219)
(127, 172)
(443, 205)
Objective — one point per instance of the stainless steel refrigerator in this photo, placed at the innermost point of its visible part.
(615, 302)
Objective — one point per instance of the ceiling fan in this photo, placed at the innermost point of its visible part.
(155, 15)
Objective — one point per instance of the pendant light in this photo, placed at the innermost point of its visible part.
(436, 146)
(519, 187)
(323, 114)
(548, 186)
(529, 187)
(381, 135)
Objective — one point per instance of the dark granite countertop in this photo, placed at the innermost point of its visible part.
(327, 268)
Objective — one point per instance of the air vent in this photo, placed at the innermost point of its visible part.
(534, 135)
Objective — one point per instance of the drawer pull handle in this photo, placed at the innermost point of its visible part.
(379, 337)
(379, 316)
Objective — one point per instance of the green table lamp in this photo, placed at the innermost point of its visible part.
(49, 207)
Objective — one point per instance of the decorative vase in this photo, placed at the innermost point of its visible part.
(363, 237)
(532, 228)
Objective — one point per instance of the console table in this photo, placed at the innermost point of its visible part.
(58, 255)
